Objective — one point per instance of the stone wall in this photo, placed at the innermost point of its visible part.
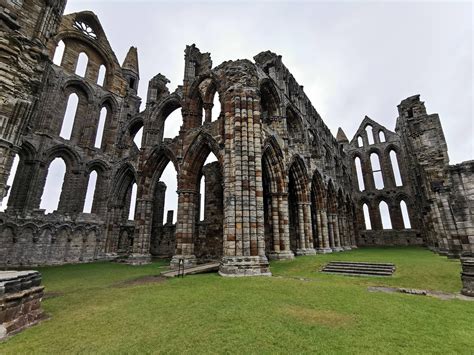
(21, 294)
(36, 240)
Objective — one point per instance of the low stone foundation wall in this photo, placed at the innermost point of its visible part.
(20, 301)
(49, 240)
(390, 238)
(467, 276)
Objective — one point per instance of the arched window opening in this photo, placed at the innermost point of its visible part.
(170, 178)
(133, 203)
(381, 136)
(202, 192)
(216, 108)
(173, 124)
(81, 66)
(385, 215)
(10, 180)
(405, 215)
(370, 134)
(53, 186)
(360, 141)
(376, 171)
(368, 224)
(90, 192)
(360, 176)
(100, 128)
(395, 168)
(294, 127)
(69, 116)
(101, 77)
(137, 138)
(58, 53)
(202, 188)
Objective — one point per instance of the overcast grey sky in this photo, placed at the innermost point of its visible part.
(353, 58)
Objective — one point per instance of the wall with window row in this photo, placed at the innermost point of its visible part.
(384, 191)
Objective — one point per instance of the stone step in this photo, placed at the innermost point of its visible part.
(198, 269)
(358, 272)
(361, 263)
(359, 268)
(363, 267)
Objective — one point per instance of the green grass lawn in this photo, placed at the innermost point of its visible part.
(302, 311)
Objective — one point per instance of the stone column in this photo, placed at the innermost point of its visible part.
(185, 225)
(244, 240)
(337, 236)
(281, 241)
(207, 112)
(345, 232)
(324, 246)
(305, 231)
(143, 224)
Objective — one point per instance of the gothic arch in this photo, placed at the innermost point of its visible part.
(98, 165)
(154, 166)
(70, 156)
(163, 109)
(272, 163)
(194, 158)
(297, 171)
(124, 178)
(73, 85)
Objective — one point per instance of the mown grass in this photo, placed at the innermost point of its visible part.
(301, 311)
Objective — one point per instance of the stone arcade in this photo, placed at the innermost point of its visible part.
(282, 185)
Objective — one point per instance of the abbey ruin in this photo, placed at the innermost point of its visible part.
(282, 185)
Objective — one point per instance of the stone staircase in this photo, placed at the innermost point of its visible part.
(198, 269)
(359, 268)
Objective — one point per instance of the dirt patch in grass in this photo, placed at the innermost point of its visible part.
(141, 281)
(52, 294)
(319, 317)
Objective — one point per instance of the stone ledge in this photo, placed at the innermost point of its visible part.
(238, 266)
(20, 301)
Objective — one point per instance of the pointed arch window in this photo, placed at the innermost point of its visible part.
(385, 215)
(216, 107)
(81, 66)
(137, 139)
(368, 224)
(101, 76)
(133, 203)
(405, 215)
(370, 134)
(376, 171)
(100, 127)
(360, 141)
(53, 186)
(59, 53)
(170, 178)
(172, 124)
(69, 116)
(381, 136)
(360, 175)
(395, 168)
(202, 188)
(11, 178)
(202, 194)
(91, 185)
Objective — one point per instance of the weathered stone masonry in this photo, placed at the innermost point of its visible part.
(282, 185)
